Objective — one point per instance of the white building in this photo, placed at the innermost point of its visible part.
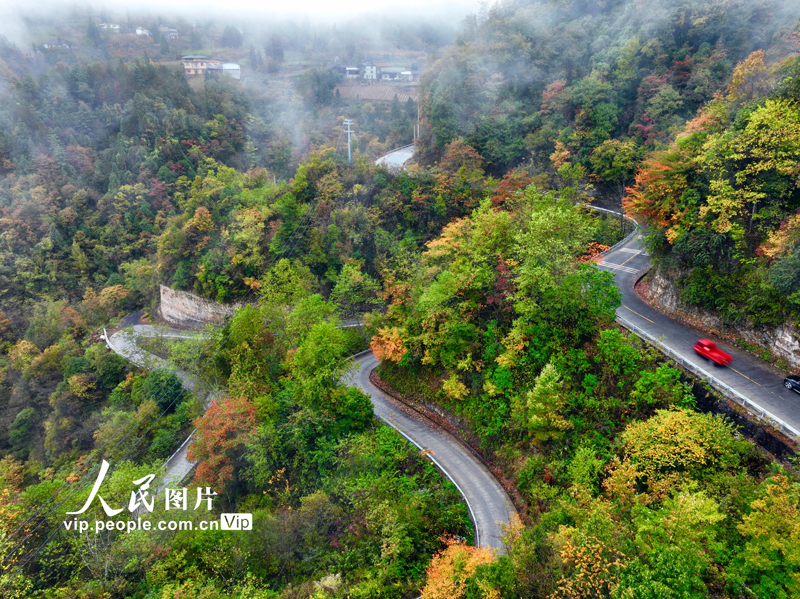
(58, 44)
(232, 69)
(369, 71)
(391, 73)
(215, 68)
(351, 72)
(113, 27)
(171, 33)
(142, 31)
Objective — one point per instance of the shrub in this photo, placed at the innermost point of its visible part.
(679, 440)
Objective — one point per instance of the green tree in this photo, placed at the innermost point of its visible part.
(319, 362)
(544, 406)
(355, 292)
(676, 545)
(615, 163)
(20, 430)
(164, 388)
(769, 563)
(232, 37)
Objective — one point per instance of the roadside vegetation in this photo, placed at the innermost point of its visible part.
(472, 272)
(631, 491)
(722, 200)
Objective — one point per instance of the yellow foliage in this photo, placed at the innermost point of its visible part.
(512, 532)
(11, 473)
(190, 588)
(112, 295)
(620, 485)
(774, 531)
(108, 298)
(750, 78)
(454, 388)
(561, 155)
(449, 570)
(5, 323)
(591, 567)
(50, 358)
(451, 241)
(781, 241)
(468, 364)
(491, 389)
(22, 354)
(672, 233)
(678, 440)
(81, 385)
(202, 220)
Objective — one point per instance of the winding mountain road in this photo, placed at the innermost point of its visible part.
(396, 159)
(761, 386)
(489, 505)
(125, 343)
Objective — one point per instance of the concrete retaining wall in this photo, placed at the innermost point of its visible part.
(783, 341)
(185, 309)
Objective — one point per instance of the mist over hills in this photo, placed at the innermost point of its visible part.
(203, 147)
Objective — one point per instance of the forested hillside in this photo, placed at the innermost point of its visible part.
(96, 158)
(722, 199)
(632, 491)
(598, 83)
(471, 271)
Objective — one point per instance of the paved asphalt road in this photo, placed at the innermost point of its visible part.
(759, 383)
(397, 158)
(124, 343)
(488, 503)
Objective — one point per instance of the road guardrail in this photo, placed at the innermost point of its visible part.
(752, 407)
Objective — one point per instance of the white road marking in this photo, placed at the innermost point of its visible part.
(612, 266)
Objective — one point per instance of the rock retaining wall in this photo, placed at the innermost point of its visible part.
(186, 309)
(783, 341)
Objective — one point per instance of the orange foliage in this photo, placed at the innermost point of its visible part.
(750, 78)
(593, 250)
(395, 293)
(109, 298)
(561, 155)
(551, 93)
(449, 570)
(510, 185)
(451, 240)
(781, 241)
(458, 156)
(388, 345)
(659, 187)
(221, 431)
(706, 119)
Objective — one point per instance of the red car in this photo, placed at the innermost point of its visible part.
(708, 349)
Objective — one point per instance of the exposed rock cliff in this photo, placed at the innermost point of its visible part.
(186, 309)
(783, 341)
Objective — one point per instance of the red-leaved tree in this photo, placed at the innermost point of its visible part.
(222, 433)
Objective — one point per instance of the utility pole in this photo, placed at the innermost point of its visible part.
(416, 126)
(347, 123)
